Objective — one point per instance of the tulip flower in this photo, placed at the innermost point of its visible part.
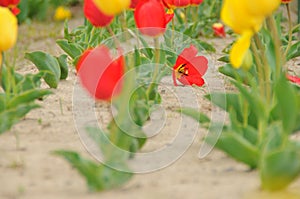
(134, 3)
(154, 22)
(189, 68)
(99, 74)
(245, 18)
(286, 1)
(181, 3)
(12, 5)
(94, 15)
(9, 29)
(62, 13)
(219, 30)
(294, 79)
(112, 7)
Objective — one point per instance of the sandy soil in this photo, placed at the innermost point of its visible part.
(29, 170)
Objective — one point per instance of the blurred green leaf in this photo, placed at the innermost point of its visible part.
(48, 63)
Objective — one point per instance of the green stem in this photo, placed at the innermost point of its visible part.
(259, 68)
(1, 64)
(156, 69)
(290, 30)
(279, 61)
(266, 67)
(91, 36)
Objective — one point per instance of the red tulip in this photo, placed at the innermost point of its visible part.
(12, 5)
(181, 3)
(219, 30)
(150, 17)
(7, 3)
(286, 1)
(196, 2)
(294, 79)
(134, 3)
(99, 74)
(94, 15)
(189, 67)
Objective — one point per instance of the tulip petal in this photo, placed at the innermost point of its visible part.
(239, 49)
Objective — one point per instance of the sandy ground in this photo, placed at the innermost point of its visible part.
(29, 170)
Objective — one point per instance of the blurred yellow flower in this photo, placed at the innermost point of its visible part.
(62, 13)
(112, 7)
(8, 29)
(245, 18)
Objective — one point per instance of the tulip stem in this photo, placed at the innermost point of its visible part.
(111, 32)
(258, 66)
(156, 68)
(1, 64)
(273, 28)
(290, 30)
(266, 67)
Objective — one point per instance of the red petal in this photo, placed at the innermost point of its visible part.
(150, 17)
(100, 74)
(94, 15)
(192, 80)
(186, 55)
(294, 79)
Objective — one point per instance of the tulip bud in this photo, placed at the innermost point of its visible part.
(9, 29)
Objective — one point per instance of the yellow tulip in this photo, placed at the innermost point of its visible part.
(245, 18)
(8, 29)
(62, 13)
(112, 7)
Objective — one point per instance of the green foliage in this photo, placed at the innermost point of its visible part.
(19, 96)
(54, 68)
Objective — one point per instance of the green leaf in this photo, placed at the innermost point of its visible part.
(98, 176)
(63, 64)
(48, 63)
(9, 117)
(224, 59)
(287, 103)
(200, 117)
(208, 47)
(294, 51)
(27, 97)
(72, 49)
(279, 168)
(237, 147)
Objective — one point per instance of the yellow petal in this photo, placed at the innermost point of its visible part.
(8, 29)
(112, 7)
(240, 48)
(235, 14)
(262, 7)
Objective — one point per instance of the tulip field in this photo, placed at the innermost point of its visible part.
(150, 99)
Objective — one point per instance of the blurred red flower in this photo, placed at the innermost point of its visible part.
(150, 17)
(286, 1)
(181, 3)
(189, 68)
(219, 30)
(100, 74)
(294, 79)
(134, 3)
(94, 15)
(12, 5)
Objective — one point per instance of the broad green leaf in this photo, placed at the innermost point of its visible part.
(63, 64)
(48, 63)
(237, 147)
(9, 117)
(98, 176)
(279, 168)
(287, 103)
(27, 97)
